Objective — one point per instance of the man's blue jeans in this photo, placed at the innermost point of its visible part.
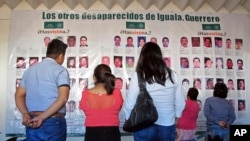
(156, 133)
(217, 130)
(52, 129)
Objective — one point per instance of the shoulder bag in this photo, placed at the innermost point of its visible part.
(144, 112)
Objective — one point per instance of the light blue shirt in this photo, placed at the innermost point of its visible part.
(169, 99)
(41, 82)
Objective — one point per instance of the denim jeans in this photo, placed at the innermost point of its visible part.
(217, 130)
(52, 129)
(156, 133)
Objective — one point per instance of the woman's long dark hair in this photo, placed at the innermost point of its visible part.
(104, 75)
(151, 65)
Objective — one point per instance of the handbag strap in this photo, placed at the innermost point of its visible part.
(142, 85)
(141, 82)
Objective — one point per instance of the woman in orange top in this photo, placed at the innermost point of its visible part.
(101, 106)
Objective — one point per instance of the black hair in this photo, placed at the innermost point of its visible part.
(104, 75)
(196, 58)
(220, 90)
(185, 80)
(71, 37)
(206, 59)
(151, 65)
(20, 58)
(193, 93)
(165, 38)
(85, 37)
(55, 48)
(229, 59)
(117, 36)
(240, 60)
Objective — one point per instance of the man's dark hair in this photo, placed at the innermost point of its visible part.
(117, 36)
(55, 48)
(240, 60)
(220, 90)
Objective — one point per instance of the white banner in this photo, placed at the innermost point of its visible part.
(192, 41)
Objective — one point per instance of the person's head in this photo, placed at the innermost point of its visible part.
(185, 84)
(195, 41)
(153, 39)
(207, 42)
(71, 41)
(192, 93)
(219, 63)
(229, 63)
(238, 44)
(197, 83)
(83, 41)
(241, 84)
(220, 90)
(141, 41)
(130, 42)
(20, 63)
(83, 83)
(105, 60)
(151, 65)
(33, 60)
(103, 75)
(184, 62)
(46, 40)
(71, 106)
(167, 61)
(71, 62)
(208, 62)
(83, 62)
(228, 43)
(165, 41)
(118, 61)
(117, 40)
(241, 105)
(196, 62)
(210, 83)
(240, 64)
(118, 83)
(56, 50)
(130, 61)
(230, 84)
(218, 42)
(184, 41)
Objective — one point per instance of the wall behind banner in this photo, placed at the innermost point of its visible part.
(5, 13)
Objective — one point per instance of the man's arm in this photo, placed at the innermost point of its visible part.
(55, 107)
(21, 104)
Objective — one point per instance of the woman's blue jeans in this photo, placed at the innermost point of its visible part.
(156, 133)
(52, 129)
